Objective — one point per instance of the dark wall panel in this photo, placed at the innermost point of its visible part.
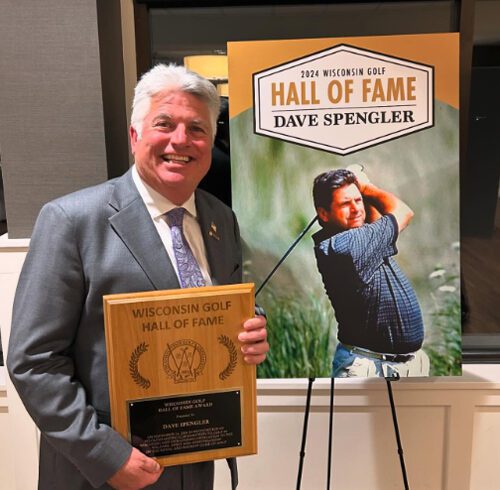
(51, 104)
(480, 179)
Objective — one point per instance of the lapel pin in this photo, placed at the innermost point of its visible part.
(213, 231)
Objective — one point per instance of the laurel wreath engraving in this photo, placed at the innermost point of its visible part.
(233, 357)
(133, 366)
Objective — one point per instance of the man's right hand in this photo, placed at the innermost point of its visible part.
(384, 202)
(138, 472)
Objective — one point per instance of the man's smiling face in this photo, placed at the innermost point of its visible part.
(174, 151)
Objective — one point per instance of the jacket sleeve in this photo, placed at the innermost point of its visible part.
(47, 309)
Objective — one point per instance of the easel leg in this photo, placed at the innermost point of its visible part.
(330, 433)
(388, 381)
(304, 432)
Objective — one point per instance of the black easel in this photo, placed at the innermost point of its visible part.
(330, 434)
(388, 380)
(304, 432)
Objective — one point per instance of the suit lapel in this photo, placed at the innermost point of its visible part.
(134, 226)
(211, 236)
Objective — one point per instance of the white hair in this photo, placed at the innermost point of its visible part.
(172, 77)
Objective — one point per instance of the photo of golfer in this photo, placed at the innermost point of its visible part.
(353, 243)
(380, 325)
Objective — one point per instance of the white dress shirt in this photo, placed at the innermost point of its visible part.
(157, 205)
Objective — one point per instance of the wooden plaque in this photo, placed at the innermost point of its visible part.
(179, 388)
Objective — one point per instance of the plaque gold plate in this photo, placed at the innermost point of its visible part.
(179, 388)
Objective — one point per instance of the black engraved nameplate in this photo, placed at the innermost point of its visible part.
(185, 424)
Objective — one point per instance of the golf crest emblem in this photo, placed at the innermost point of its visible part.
(184, 360)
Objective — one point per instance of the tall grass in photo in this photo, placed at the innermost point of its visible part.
(300, 331)
(444, 343)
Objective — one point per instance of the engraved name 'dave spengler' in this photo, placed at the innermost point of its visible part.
(179, 388)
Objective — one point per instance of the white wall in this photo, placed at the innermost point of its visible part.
(450, 432)
(450, 427)
(18, 435)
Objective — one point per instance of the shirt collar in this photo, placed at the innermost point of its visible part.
(156, 204)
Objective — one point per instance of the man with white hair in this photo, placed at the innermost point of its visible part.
(113, 238)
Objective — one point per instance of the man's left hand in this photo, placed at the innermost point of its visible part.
(254, 340)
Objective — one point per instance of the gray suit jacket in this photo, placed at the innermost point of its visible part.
(93, 242)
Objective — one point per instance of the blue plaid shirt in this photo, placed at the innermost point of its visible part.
(375, 304)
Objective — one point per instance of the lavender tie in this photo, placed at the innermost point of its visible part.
(189, 270)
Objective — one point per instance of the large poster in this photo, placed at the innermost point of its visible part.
(352, 145)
